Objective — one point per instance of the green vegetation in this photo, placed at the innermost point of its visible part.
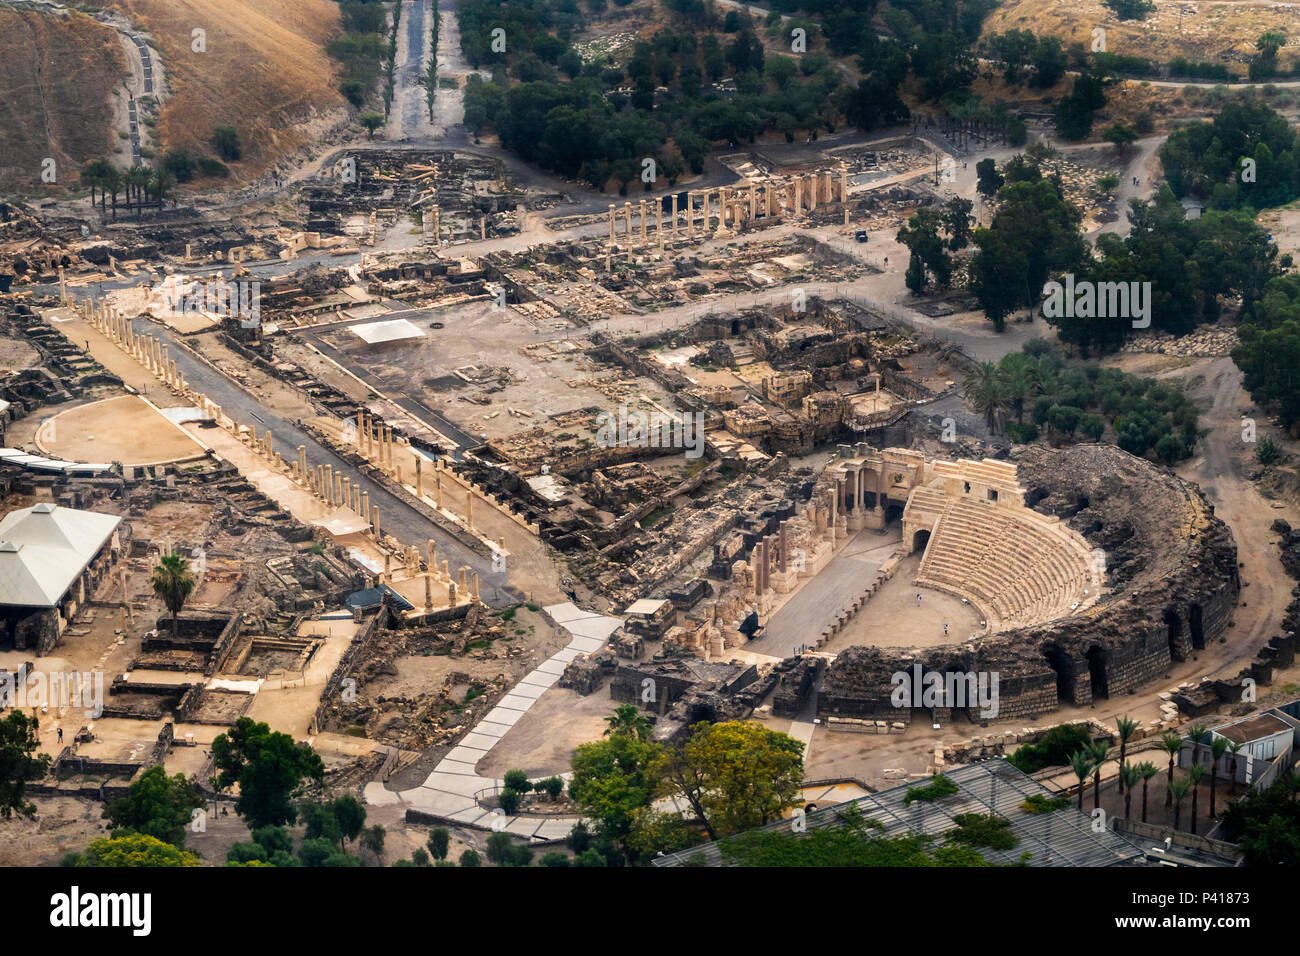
(1193, 266)
(131, 849)
(938, 788)
(173, 582)
(1034, 233)
(983, 829)
(1130, 9)
(360, 49)
(673, 98)
(19, 763)
(1037, 803)
(1072, 400)
(1053, 750)
(852, 844)
(268, 768)
(1209, 159)
(1267, 823)
(155, 805)
(1269, 350)
(225, 140)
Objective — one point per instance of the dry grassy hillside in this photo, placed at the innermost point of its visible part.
(265, 70)
(55, 78)
(1221, 31)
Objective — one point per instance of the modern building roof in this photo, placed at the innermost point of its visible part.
(1253, 728)
(393, 330)
(44, 548)
(1062, 837)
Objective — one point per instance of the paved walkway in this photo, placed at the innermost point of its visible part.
(450, 790)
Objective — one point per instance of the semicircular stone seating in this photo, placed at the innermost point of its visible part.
(1017, 565)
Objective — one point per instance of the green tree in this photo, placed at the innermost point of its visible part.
(156, 805)
(982, 388)
(132, 849)
(470, 858)
(1218, 747)
(225, 140)
(1172, 743)
(372, 838)
(1127, 727)
(628, 721)
(1146, 770)
(612, 778)
(1081, 764)
(1177, 791)
(439, 842)
(371, 122)
(173, 583)
(19, 763)
(735, 775)
(268, 769)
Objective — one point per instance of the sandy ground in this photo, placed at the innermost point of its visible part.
(127, 429)
(893, 618)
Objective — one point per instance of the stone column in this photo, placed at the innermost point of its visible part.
(784, 539)
(674, 215)
(433, 558)
(437, 489)
(469, 509)
(320, 481)
(756, 562)
(302, 463)
(347, 492)
(644, 237)
(327, 490)
(356, 499)
(473, 585)
(374, 520)
(627, 221)
(753, 201)
(419, 479)
(365, 505)
(659, 222)
(611, 223)
(338, 500)
(461, 582)
(690, 213)
(428, 592)
(270, 450)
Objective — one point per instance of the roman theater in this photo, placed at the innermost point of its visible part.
(1089, 572)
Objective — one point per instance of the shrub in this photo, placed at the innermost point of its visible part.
(1267, 451)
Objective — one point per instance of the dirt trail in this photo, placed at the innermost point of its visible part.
(1220, 470)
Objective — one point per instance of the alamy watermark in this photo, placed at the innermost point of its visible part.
(922, 688)
(637, 429)
(37, 689)
(1098, 300)
(241, 300)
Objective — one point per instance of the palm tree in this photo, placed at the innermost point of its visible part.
(137, 178)
(1127, 727)
(983, 390)
(627, 721)
(1081, 764)
(1269, 43)
(160, 182)
(1217, 748)
(173, 583)
(1194, 774)
(1017, 382)
(1173, 745)
(1178, 790)
(1099, 750)
(1197, 733)
(1128, 778)
(1234, 748)
(1147, 770)
(111, 183)
(92, 175)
